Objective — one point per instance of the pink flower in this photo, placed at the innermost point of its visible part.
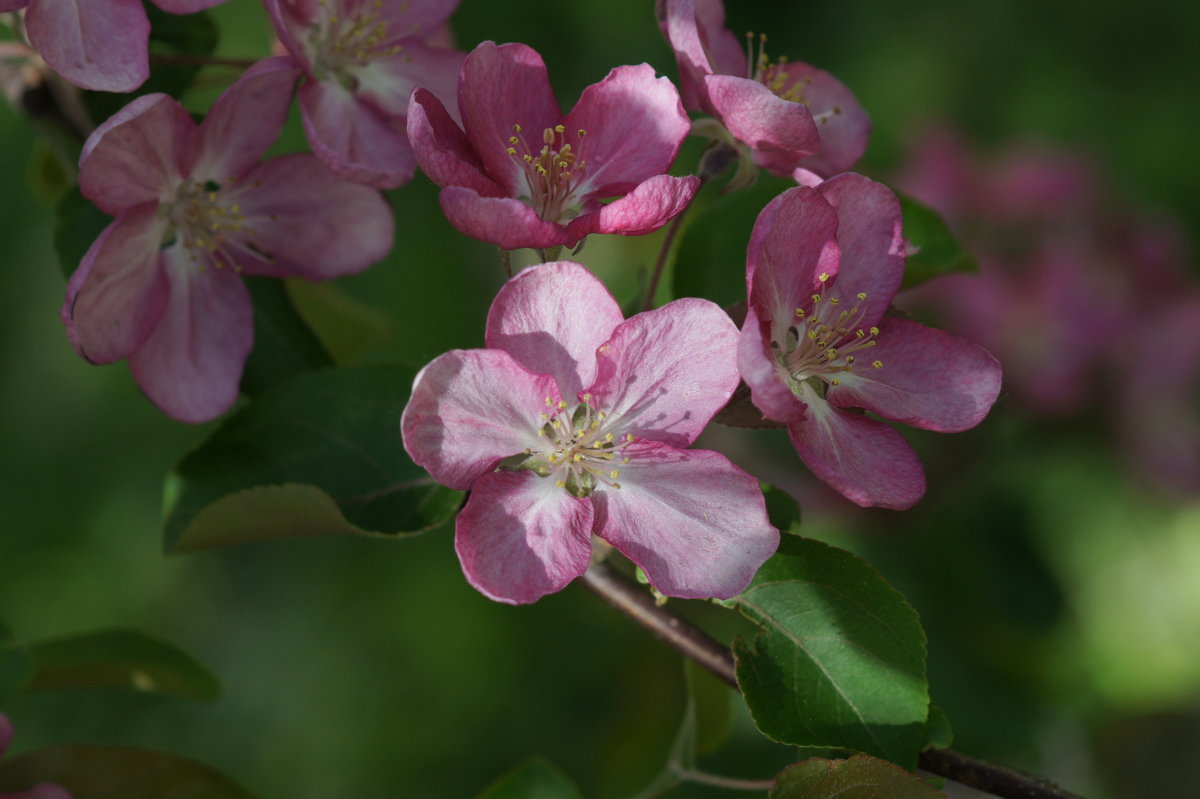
(574, 420)
(361, 61)
(96, 44)
(520, 174)
(817, 348)
(194, 207)
(788, 113)
(42, 790)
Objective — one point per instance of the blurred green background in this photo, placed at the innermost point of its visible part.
(1062, 600)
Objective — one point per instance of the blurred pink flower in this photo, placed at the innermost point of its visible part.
(42, 790)
(574, 420)
(361, 60)
(817, 348)
(96, 44)
(788, 113)
(194, 207)
(520, 174)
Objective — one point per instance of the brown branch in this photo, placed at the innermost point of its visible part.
(632, 600)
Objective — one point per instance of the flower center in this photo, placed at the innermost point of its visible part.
(579, 452)
(776, 77)
(338, 43)
(213, 232)
(550, 172)
(825, 340)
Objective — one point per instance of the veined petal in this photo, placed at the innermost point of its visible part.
(442, 149)
(648, 207)
(191, 364)
(119, 292)
(353, 138)
(469, 410)
(842, 122)
(503, 221)
(929, 379)
(724, 50)
(780, 132)
(97, 45)
(387, 82)
(309, 222)
(868, 462)
(291, 18)
(694, 522)
(679, 24)
(185, 6)
(520, 537)
(758, 367)
(635, 125)
(551, 318)
(664, 373)
(410, 18)
(138, 155)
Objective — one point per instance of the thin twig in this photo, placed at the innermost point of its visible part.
(632, 600)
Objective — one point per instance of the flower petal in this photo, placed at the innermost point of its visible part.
(469, 410)
(551, 318)
(311, 223)
(648, 207)
(442, 149)
(138, 155)
(185, 6)
(842, 122)
(520, 537)
(387, 82)
(694, 522)
(119, 292)
(664, 373)
(677, 19)
(99, 46)
(757, 365)
(503, 221)
(191, 364)
(780, 132)
(929, 379)
(864, 459)
(353, 138)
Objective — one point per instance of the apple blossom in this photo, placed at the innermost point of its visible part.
(817, 347)
(194, 207)
(574, 420)
(520, 174)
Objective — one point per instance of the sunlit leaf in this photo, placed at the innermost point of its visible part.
(860, 777)
(536, 778)
(937, 251)
(939, 734)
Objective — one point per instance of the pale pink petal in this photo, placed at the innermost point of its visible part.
(119, 292)
(502, 86)
(635, 125)
(678, 20)
(780, 132)
(185, 6)
(309, 221)
(694, 522)
(865, 460)
(139, 155)
(648, 207)
(407, 18)
(191, 364)
(758, 367)
(551, 318)
(664, 373)
(244, 121)
(871, 239)
(929, 378)
(469, 410)
(353, 138)
(841, 120)
(387, 82)
(503, 221)
(520, 536)
(442, 149)
(96, 45)
(291, 19)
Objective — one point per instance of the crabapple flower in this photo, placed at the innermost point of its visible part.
(361, 60)
(817, 348)
(96, 44)
(520, 174)
(786, 114)
(42, 790)
(195, 207)
(574, 420)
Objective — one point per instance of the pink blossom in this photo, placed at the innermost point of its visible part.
(42, 790)
(96, 44)
(361, 60)
(194, 207)
(520, 174)
(817, 347)
(574, 420)
(787, 113)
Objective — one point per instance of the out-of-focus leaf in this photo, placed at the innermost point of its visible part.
(860, 777)
(50, 176)
(839, 661)
(104, 772)
(536, 778)
(319, 454)
(939, 734)
(16, 665)
(284, 345)
(937, 250)
(345, 326)
(714, 714)
(77, 223)
(119, 659)
(782, 509)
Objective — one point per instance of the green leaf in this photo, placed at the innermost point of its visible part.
(860, 777)
(937, 250)
(284, 345)
(119, 659)
(104, 772)
(714, 711)
(939, 734)
(782, 509)
(16, 665)
(77, 223)
(839, 661)
(320, 454)
(536, 778)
